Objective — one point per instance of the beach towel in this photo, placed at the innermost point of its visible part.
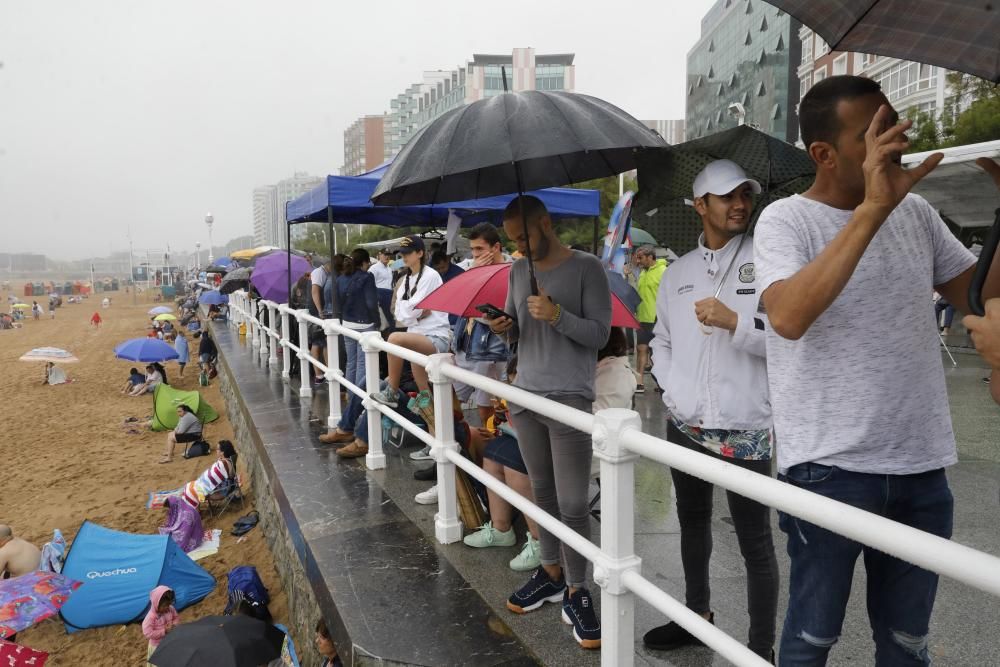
(209, 545)
(157, 498)
(53, 553)
(183, 524)
(15, 655)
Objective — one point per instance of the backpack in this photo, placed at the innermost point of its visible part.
(197, 448)
(245, 584)
(395, 435)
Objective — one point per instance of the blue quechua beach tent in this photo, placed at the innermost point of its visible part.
(118, 571)
(345, 199)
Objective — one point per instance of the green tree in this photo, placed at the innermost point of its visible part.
(970, 115)
(580, 232)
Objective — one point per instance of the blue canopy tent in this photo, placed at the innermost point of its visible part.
(347, 199)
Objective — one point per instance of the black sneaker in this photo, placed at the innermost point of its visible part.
(578, 611)
(428, 474)
(672, 636)
(539, 590)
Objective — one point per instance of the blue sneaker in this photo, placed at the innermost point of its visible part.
(387, 396)
(578, 611)
(539, 590)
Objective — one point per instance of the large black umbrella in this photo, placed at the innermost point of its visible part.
(666, 178)
(219, 641)
(514, 142)
(962, 35)
(236, 279)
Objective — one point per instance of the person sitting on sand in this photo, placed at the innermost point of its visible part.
(153, 378)
(188, 429)
(135, 378)
(54, 374)
(183, 524)
(17, 556)
(214, 476)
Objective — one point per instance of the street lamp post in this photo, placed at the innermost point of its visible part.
(208, 221)
(197, 254)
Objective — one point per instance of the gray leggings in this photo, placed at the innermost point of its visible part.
(558, 461)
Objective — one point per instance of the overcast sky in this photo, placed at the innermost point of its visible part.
(142, 114)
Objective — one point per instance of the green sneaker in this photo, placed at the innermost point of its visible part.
(421, 401)
(529, 558)
(488, 536)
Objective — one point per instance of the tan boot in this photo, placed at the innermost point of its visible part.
(336, 437)
(354, 450)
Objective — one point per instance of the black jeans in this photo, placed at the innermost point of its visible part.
(753, 531)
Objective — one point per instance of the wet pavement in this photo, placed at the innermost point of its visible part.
(963, 629)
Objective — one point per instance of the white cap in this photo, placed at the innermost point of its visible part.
(722, 177)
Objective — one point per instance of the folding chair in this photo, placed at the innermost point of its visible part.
(231, 491)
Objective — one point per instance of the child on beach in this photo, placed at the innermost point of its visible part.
(161, 619)
(96, 319)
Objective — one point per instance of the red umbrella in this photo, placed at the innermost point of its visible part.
(488, 284)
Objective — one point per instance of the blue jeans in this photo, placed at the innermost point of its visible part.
(349, 418)
(355, 366)
(900, 595)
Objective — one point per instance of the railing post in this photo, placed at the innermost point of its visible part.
(447, 527)
(261, 336)
(305, 368)
(254, 332)
(286, 354)
(333, 370)
(272, 342)
(617, 534)
(375, 459)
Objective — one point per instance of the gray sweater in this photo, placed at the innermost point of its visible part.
(559, 361)
(188, 423)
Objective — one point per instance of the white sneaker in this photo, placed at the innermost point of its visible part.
(529, 558)
(428, 497)
(421, 455)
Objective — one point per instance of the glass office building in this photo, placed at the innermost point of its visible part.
(744, 62)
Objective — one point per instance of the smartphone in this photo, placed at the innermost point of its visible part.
(492, 312)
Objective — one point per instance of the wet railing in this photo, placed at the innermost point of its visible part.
(618, 442)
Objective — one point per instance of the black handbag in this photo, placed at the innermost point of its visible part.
(197, 448)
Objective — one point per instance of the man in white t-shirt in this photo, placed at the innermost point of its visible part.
(317, 339)
(383, 283)
(854, 366)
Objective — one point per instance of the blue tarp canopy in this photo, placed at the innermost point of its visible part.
(347, 197)
(118, 571)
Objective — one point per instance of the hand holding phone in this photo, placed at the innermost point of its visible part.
(499, 321)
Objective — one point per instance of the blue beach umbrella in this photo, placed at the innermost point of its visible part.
(213, 298)
(146, 350)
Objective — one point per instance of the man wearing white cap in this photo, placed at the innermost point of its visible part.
(709, 358)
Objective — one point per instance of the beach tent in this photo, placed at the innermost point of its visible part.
(118, 570)
(165, 402)
(346, 199)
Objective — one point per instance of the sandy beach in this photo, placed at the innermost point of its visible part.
(68, 457)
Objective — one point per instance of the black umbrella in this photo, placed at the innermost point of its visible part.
(666, 178)
(219, 641)
(955, 34)
(514, 142)
(236, 279)
(215, 268)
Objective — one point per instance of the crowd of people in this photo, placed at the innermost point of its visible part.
(773, 351)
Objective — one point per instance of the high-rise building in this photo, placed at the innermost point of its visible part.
(672, 131)
(269, 207)
(364, 145)
(442, 90)
(911, 87)
(743, 69)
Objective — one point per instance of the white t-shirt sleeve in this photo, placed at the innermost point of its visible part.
(779, 250)
(951, 258)
(318, 276)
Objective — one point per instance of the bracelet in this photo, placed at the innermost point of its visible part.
(555, 318)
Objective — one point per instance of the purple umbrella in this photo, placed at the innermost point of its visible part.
(270, 275)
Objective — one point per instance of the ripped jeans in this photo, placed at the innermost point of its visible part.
(900, 595)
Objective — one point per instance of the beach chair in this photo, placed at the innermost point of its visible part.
(231, 491)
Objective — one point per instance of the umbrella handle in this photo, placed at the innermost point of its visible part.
(983, 268)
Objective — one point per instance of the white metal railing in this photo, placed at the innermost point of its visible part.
(618, 442)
